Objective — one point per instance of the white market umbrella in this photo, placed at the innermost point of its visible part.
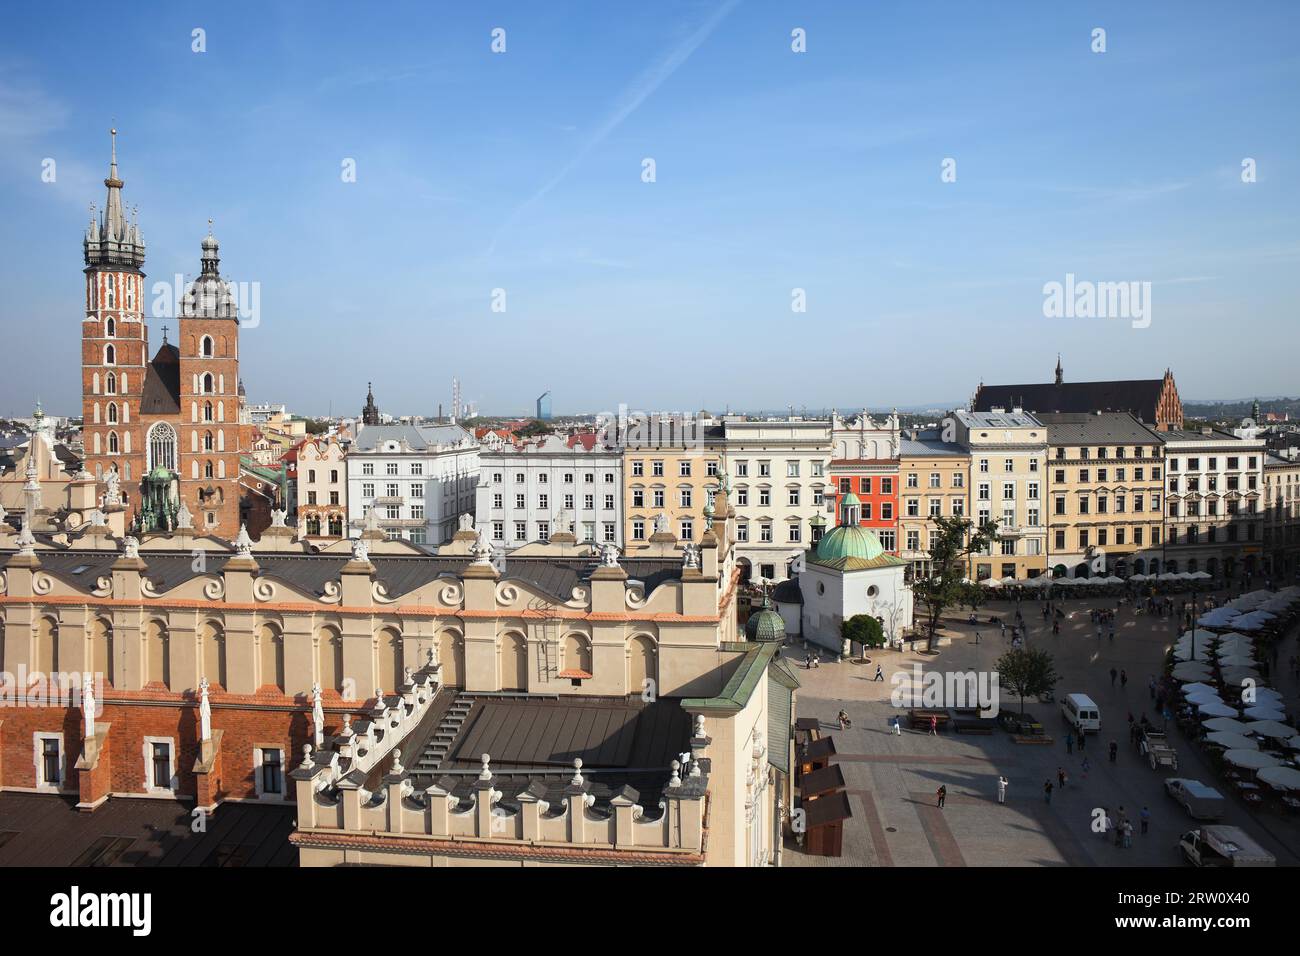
(1292, 743)
(1237, 660)
(1266, 696)
(991, 583)
(1239, 675)
(1198, 576)
(1191, 672)
(1265, 712)
(1230, 741)
(1250, 759)
(1186, 653)
(1137, 577)
(1193, 688)
(1216, 710)
(1219, 617)
(1226, 725)
(1272, 728)
(1281, 778)
(1009, 579)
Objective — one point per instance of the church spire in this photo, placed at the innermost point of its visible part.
(112, 241)
(1060, 375)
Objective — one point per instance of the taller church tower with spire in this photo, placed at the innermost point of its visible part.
(114, 341)
(167, 426)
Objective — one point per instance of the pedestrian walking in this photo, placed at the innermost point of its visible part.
(1128, 834)
(1123, 679)
(880, 674)
(1151, 686)
(977, 637)
(942, 794)
(1002, 789)
(1082, 740)
(1086, 767)
(1114, 751)
(1047, 791)
(1069, 743)
(898, 727)
(1113, 674)
(842, 719)
(1145, 817)
(934, 726)
(1060, 776)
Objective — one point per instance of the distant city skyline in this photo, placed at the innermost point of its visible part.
(775, 171)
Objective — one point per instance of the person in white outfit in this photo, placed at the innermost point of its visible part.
(1002, 789)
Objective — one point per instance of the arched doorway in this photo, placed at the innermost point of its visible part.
(642, 665)
(1155, 566)
(451, 655)
(1059, 571)
(1082, 570)
(514, 662)
(1139, 566)
(746, 569)
(1211, 566)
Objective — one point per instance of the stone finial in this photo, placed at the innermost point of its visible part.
(379, 697)
(675, 780)
(482, 549)
(406, 675)
(96, 518)
(243, 543)
(699, 725)
(277, 517)
(317, 715)
(306, 757)
(465, 522)
(577, 780)
(397, 760)
(113, 490)
(360, 552)
(26, 540)
(131, 546)
(609, 556)
(428, 657)
(690, 557)
(184, 520)
(347, 726)
(486, 773)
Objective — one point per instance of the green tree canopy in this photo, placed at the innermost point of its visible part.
(954, 541)
(863, 629)
(1027, 672)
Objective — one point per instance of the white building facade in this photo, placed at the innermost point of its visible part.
(779, 475)
(418, 478)
(532, 492)
(1214, 503)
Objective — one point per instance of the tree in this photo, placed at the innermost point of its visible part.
(863, 629)
(1027, 672)
(955, 539)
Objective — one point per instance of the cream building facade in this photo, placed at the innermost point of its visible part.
(1105, 487)
(672, 466)
(322, 489)
(934, 476)
(778, 470)
(1008, 451)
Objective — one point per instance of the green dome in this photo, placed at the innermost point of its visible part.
(850, 499)
(849, 542)
(765, 625)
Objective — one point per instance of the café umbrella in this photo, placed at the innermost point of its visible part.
(1226, 725)
(1190, 672)
(1221, 738)
(1272, 728)
(1283, 778)
(1250, 759)
(1216, 709)
(1265, 712)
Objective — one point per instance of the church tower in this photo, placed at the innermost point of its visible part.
(114, 342)
(208, 341)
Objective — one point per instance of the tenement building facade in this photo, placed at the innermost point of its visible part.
(421, 709)
(1214, 503)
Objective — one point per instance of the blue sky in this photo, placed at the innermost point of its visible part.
(775, 171)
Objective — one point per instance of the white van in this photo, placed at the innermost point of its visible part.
(1081, 713)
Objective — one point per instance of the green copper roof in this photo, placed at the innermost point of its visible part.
(849, 542)
(765, 625)
(850, 499)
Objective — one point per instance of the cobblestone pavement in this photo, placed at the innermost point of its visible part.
(892, 779)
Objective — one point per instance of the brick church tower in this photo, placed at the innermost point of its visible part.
(114, 343)
(209, 398)
(167, 426)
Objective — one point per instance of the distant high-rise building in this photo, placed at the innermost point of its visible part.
(544, 406)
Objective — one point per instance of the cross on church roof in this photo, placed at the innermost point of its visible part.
(164, 332)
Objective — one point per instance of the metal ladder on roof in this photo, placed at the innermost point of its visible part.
(437, 747)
